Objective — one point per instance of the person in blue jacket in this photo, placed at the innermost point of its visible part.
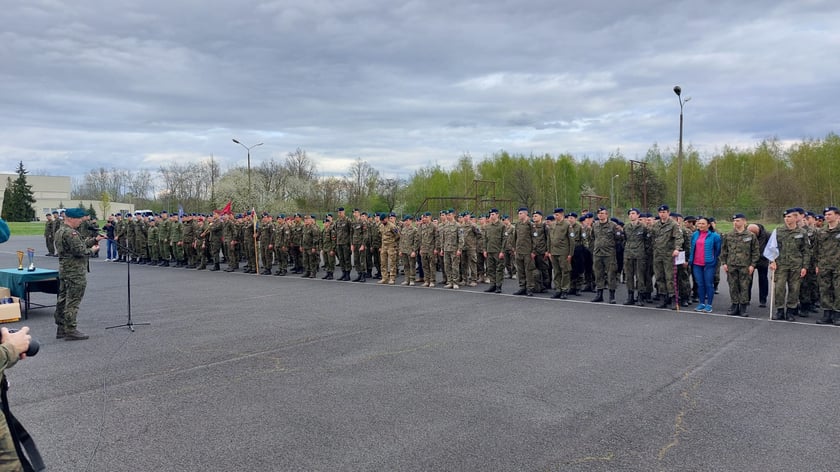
(705, 251)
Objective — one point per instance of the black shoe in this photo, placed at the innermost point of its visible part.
(358, 277)
(557, 295)
(743, 309)
(498, 289)
(779, 315)
(791, 314)
(640, 302)
(492, 289)
(230, 270)
(826, 319)
(521, 291)
(330, 276)
(664, 302)
(762, 304)
(59, 332)
(363, 278)
(214, 268)
(733, 310)
(529, 293)
(599, 297)
(612, 297)
(631, 300)
(805, 310)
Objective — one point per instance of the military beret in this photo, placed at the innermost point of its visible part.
(800, 210)
(522, 209)
(582, 218)
(828, 209)
(690, 218)
(505, 216)
(558, 210)
(820, 218)
(663, 208)
(451, 210)
(238, 215)
(538, 212)
(383, 217)
(408, 217)
(428, 213)
(298, 215)
(55, 212)
(5, 231)
(313, 216)
(739, 215)
(711, 219)
(550, 218)
(633, 209)
(151, 218)
(602, 209)
(340, 209)
(364, 213)
(74, 213)
(614, 220)
(393, 214)
(791, 210)
(676, 215)
(164, 211)
(573, 214)
(589, 215)
(329, 214)
(494, 210)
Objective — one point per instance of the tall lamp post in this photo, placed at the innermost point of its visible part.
(678, 91)
(612, 194)
(249, 164)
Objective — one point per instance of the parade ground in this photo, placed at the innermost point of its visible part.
(240, 372)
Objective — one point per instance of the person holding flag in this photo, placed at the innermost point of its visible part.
(789, 253)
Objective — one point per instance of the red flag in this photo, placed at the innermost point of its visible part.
(226, 209)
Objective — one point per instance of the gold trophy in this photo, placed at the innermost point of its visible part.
(31, 253)
(20, 260)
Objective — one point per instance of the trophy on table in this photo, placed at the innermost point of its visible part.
(31, 253)
(20, 260)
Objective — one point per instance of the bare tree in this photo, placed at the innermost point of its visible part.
(299, 165)
(362, 180)
(390, 190)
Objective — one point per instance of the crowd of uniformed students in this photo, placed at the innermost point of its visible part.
(563, 253)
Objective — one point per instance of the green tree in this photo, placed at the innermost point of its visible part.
(21, 198)
(92, 212)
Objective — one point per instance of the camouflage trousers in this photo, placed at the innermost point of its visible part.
(525, 270)
(562, 273)
(389, 262)
(829, 278)
(427, 260)
(451, 267)
(311, 260)
(786, 279)
(469, 265)
(635, 271)
(663, 270)
(360, 260)
(343, 251)
(605, 272)
(9, 461)
(409, 264)
(495, 269)
(70, 293)
(329, 260)
(739, 280)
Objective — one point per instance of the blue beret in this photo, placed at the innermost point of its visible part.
(383, 217)
(550, 218)
(74, 213)
(791, 210)
(505, 216)
(800, 210)
(522, 209)
(663, 208)
(738, 215)
(393, 214)
(428, 213)
(690, 218)
(5, 232)
(573, 214)
(828, 209)
(494, 210)
(55, 212)
(313, 216)
(602, 209)
(340, 208)
(633, 209)
(558, 210)
(589, 215)
(538, 212)
(710, 219)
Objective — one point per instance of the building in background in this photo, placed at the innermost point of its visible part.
(53, 192)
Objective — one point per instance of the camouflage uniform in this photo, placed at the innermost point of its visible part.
(343, 232)
(390, 235)
(635, 260)
(739, 253)
(523, 245)
(451, 242)
(73, 252)
(282, 238)
(359, 245)
(827, 260)
(495, 242)
(49, 236)
(231, 239)
(329, 236)
(266, 238)
(667, 238)
(542, 268)
(153, 242)
(605, 236)
(561, 243)
(310, 245)
(427, 236)
(374, 255)
(794, 255)
(469, 257)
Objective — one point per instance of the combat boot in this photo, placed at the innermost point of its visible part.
(215, 268)
(557, 295)
(826, 319)
(631, 299)
(805, 309)
(330, 276)
(612, 297)
(733, 310)
(363, 277)
(779, 315)
(599, 297)
(664, 302)
(326, 276)
(74, 335)
(791, 314)
(383, 281)
(743, 309)
(59, 332)
(521, 291)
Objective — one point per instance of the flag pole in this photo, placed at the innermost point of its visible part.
(772, 291)
(256, 249)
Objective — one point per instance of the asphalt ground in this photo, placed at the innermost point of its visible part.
(241, 372)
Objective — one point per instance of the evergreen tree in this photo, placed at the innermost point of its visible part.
(92, 212)
(7, 199)
(20, 207)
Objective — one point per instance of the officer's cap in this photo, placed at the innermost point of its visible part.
(558, 210)
(663, 208)
(739, 215)
(828, 209)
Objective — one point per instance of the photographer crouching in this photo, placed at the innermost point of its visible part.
(16, 345)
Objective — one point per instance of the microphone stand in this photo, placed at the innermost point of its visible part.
(129, 324)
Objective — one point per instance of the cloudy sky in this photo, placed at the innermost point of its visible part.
(405, 84)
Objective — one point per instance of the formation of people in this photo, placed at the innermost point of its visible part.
(663, 258)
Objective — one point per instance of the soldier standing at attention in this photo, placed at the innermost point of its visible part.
(605, 236)
(827, 265)
(249, 243)
(667, 244)
(374, 253)
(390, 234)
(472, 243)
(561, 243)
(343, 233)
(310, 247)
(153, 241)
(542, 270)
(428, 249)
(495, 241)
(358, 246)
(282, 236)
(231, 239)
(451, 245)
(791, 266)
(266, 240)
(408, 245)
(739, 255)
(636, 236)
(73, 252)
(49, 235)
(165, 245)
(523, 253)
(329, 236)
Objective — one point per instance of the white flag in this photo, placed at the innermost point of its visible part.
(771, 251)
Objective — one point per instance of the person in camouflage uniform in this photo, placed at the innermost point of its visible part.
(809, 290)
(49, 235)
(667, 244)
(561, 243)
(451, 247)
(827, 265)
(374, 254)
(408, 245)
(13, 349)
(231, 238)
(73, 252)
(153, 242)
(522, 241)
(266, 239)
(790, 267)
(359, 246)
(428, 249)
(216, 230)
(390, 237)
(343, 230)
(329, 237)
(249, 243)
(282, 237)
(510, 266)
(165, 244)
(472, 242)
(309, 247)
(605, 237)
(635, 261)
(739, 256)
(495, 242)
(190, 237)
(542, 268)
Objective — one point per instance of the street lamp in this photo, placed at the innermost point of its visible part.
(249, 164)
(678, 91)
(612, 194)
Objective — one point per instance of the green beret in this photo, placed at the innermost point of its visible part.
(74, 213)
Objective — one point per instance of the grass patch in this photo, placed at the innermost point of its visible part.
(33, 228)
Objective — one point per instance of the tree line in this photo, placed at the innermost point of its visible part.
(760, 182)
